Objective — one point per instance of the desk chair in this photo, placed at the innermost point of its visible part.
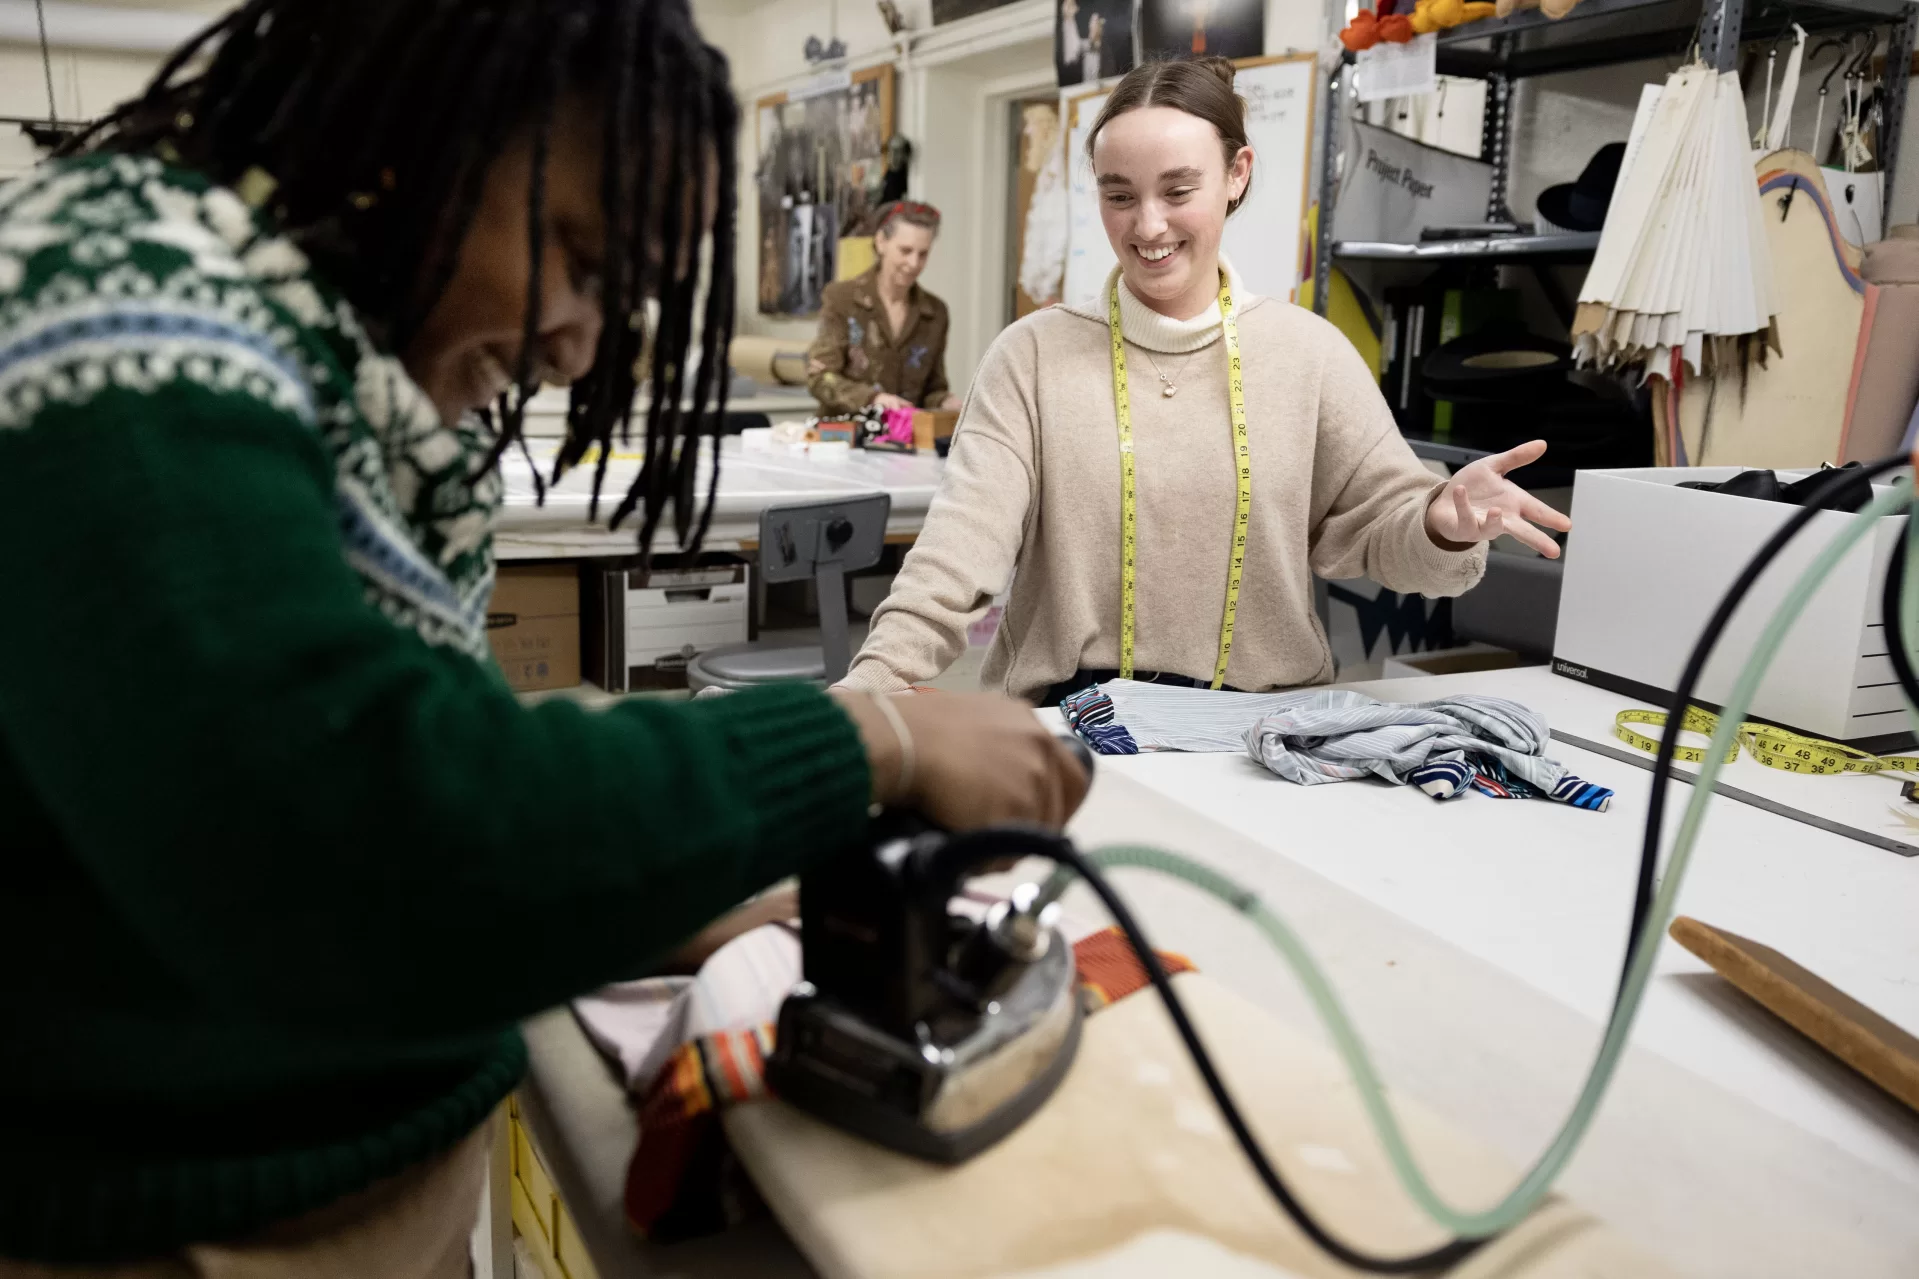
(823, 541)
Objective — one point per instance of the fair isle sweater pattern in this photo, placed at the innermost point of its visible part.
(117, 272)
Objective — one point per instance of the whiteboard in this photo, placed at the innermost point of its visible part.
(1265, 238)
(1089, 255)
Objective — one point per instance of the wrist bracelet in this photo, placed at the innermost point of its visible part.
(898, 722)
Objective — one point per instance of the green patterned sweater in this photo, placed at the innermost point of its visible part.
(285, 861)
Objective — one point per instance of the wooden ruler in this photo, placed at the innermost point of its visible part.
(1831, 1018)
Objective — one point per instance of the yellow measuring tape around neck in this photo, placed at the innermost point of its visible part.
(1128, 484)
(1774, 747)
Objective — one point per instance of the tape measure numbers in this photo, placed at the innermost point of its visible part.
(1129, 494)
(1772, 746)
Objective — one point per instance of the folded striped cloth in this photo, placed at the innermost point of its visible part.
(1125, 717)
(683, 1180)
(1444, 747)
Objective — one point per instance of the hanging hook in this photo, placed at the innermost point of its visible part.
(1835, 42)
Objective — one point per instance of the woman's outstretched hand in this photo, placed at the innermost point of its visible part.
(1481, 503)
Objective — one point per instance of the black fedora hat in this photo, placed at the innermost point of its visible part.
(1581, 205)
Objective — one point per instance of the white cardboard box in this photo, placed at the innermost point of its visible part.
(1647, 564)
(640, 624)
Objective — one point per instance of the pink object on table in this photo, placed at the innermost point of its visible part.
(899, 426)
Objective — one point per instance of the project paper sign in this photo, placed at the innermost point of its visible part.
(1389, 70)
(1394, 187)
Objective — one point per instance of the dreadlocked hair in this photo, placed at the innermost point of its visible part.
(376, 121)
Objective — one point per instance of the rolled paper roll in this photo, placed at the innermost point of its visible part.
(769, 361)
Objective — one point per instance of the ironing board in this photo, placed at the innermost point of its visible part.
(1128, 1171)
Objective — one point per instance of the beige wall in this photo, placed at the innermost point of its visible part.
(86, 83)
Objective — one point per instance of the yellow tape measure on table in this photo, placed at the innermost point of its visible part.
(1772, 746)
(1128, 484)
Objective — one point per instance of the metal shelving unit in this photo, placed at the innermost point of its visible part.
(1571, 247)
(1502, 51)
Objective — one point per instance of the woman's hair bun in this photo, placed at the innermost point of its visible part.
(1219, 66)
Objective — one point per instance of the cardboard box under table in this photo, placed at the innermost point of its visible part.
(533, 624)
(1649, 561)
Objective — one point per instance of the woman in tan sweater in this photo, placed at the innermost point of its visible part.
(1033, 494)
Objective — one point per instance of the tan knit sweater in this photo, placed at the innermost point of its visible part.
(1031, 497)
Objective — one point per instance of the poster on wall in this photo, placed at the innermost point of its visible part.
(1093, 40)
(1202, 28)
(1039, 208)
(822, 160)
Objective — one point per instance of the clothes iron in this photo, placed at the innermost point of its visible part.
(917, 1027)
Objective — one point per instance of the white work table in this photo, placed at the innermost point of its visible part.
(1545, 892)
(1477, 943)
(750, 482)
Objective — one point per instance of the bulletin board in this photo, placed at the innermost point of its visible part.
(821, 155)
(1263, 238)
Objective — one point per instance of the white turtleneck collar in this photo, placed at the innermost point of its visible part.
(1147, 328)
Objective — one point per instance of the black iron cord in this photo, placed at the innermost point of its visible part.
(1894, 617)
(1443, 1256)
(968, 851)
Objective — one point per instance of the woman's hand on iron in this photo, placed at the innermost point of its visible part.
(1481, 503)
(978, 760)
(887, 400)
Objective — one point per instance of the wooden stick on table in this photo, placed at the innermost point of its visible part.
(1834, 1020)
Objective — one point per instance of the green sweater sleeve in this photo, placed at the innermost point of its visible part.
(308, 813)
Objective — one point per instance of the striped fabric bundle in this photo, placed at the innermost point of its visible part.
(1447, 778)
(1089, 713)
(1444, 747)
(1125, 717)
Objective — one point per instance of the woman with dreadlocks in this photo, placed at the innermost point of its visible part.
(265, 807)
